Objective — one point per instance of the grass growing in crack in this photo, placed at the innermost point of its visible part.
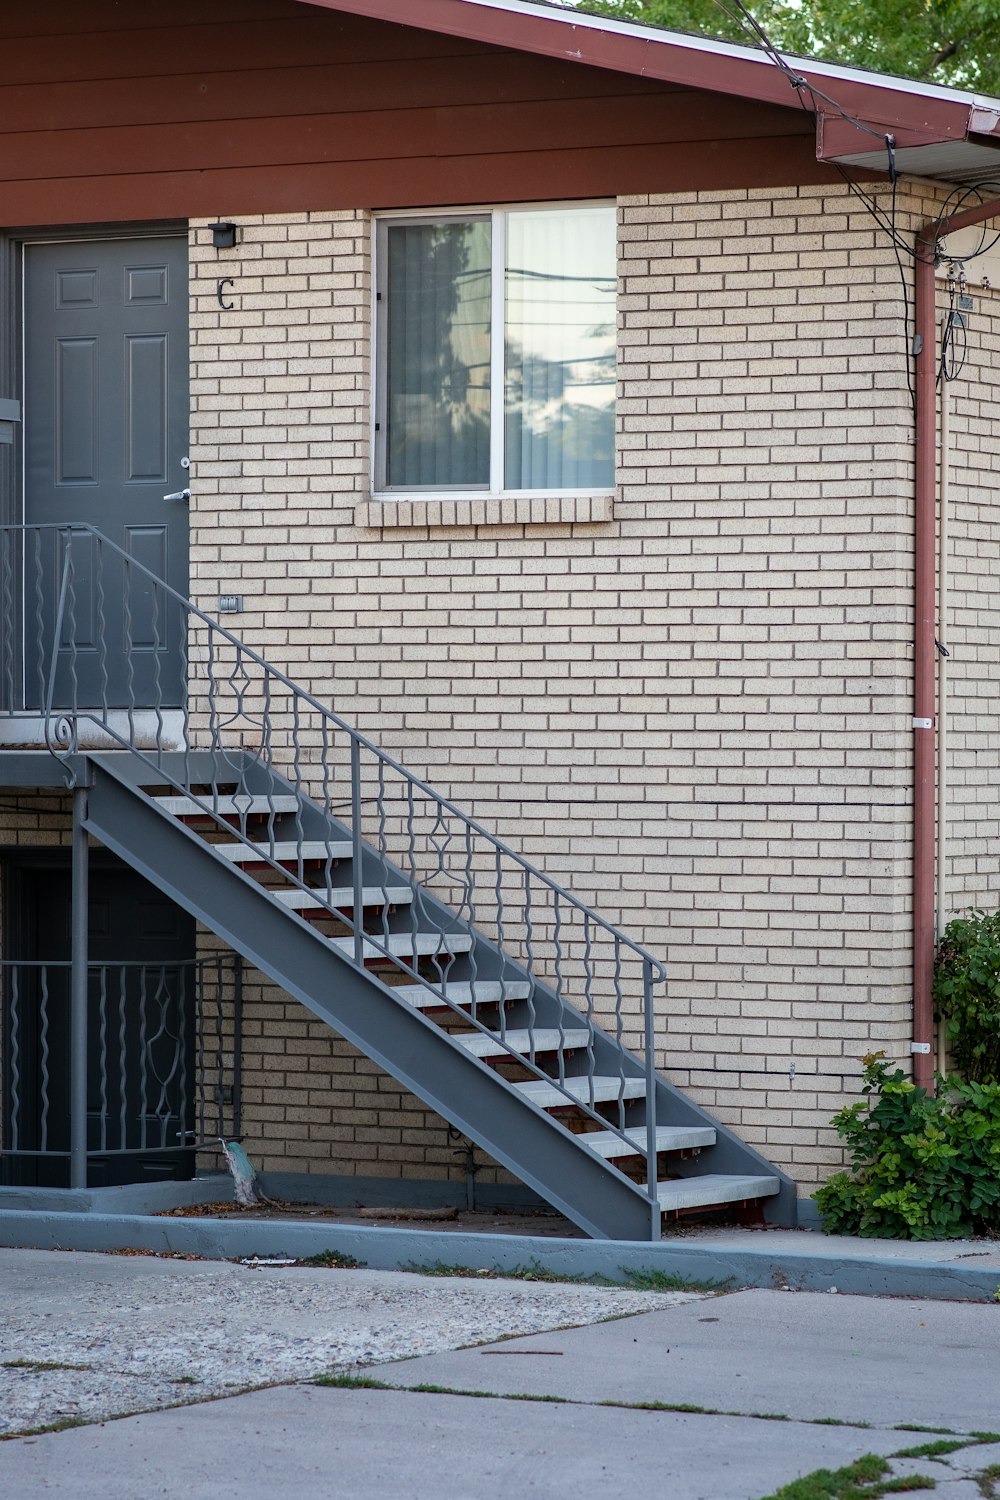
(865, 1479)
(333, 1259)
(531, 1272)
(988, 1481)
(631, 1280)
(187, 1380)
(356, 1383)
(661, 1281)
(447, 1390)
(947, 1445)
(99, 1419)
(40, 1364)
(62, 1425)
(683, 1408)
(918, 1427)
(931, 1450)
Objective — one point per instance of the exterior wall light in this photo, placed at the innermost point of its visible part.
(223, 236)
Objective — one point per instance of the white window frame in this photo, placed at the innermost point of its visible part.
(498, 215)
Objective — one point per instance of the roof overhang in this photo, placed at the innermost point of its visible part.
(939, 132)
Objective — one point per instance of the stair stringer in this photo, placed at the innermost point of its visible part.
(467, 1093)
(730, 1156)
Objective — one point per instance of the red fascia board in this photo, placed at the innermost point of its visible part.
(837, 138)
(669, 61)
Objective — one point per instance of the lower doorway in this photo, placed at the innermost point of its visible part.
(143, 1025)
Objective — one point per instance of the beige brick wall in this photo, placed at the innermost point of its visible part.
(695, 713)
(971, 626)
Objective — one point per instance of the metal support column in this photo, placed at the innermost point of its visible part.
(78, 995)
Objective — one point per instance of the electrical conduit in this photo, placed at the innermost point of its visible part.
(925, 811)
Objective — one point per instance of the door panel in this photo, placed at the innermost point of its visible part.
(106, 427)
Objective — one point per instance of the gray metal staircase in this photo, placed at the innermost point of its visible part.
(499, 999)
(487, 1045)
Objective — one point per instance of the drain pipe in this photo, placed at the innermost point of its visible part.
(942, 687)
(924, 601)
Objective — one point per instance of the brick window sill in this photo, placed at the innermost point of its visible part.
(508, 510)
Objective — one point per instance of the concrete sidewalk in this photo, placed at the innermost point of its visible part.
(713, 1396)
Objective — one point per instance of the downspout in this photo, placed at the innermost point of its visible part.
(941, 903)
(924, 601)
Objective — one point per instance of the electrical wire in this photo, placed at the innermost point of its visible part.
(955, 332)
(737, 12)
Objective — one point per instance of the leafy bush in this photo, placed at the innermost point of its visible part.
(923, 1167)
(967, 993)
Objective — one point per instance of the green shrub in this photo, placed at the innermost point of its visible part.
(967, 993)
(923, 1167)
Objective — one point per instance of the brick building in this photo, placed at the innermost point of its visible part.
(678, 676)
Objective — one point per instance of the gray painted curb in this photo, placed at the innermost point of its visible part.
(400, 1249)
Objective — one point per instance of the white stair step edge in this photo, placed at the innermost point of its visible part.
(285, 853)
(705, 1192)
(549, 1039)
(423, 944)
(483, 992)
(609, 1144)
(228, 806)
(606, 1090)
(343, 896)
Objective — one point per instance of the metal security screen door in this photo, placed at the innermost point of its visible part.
(105, 430)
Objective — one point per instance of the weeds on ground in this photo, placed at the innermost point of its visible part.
(40, 1364)
(354, 1382)
(948, 1445)
(534, 1271)
(336, 1260)
(661, 1281)
(631, 1280)
(865, 1479)
(988, 1481)
(62, 1425)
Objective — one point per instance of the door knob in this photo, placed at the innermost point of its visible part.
(179, 495)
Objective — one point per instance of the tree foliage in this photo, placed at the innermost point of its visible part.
(953, 42)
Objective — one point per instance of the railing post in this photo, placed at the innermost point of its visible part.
(78, 995)
(650, 1027)
(358, 897)
(237, 1111)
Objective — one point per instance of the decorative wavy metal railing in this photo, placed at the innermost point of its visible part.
(163, 1057)
(115, 648)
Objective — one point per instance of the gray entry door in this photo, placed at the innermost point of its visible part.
(105, 430)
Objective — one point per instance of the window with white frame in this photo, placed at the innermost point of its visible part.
(496, 351)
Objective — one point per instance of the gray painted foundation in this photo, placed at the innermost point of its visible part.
(288, 1187)
(814, 1268)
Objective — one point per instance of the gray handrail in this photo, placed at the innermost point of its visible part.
(355, 735)
(652, 970)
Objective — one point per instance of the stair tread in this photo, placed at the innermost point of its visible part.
(545, 1039)
(400, 943)
(285, 852)
(343, 896)
(609, 1144)
(483, 992)
(228, 806)
(606, 1090)
(713, 1188)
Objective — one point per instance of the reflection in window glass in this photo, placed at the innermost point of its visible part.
(438, 355)
(561, 281)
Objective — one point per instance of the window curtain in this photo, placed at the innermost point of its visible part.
(560, 285)
(438, 355)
